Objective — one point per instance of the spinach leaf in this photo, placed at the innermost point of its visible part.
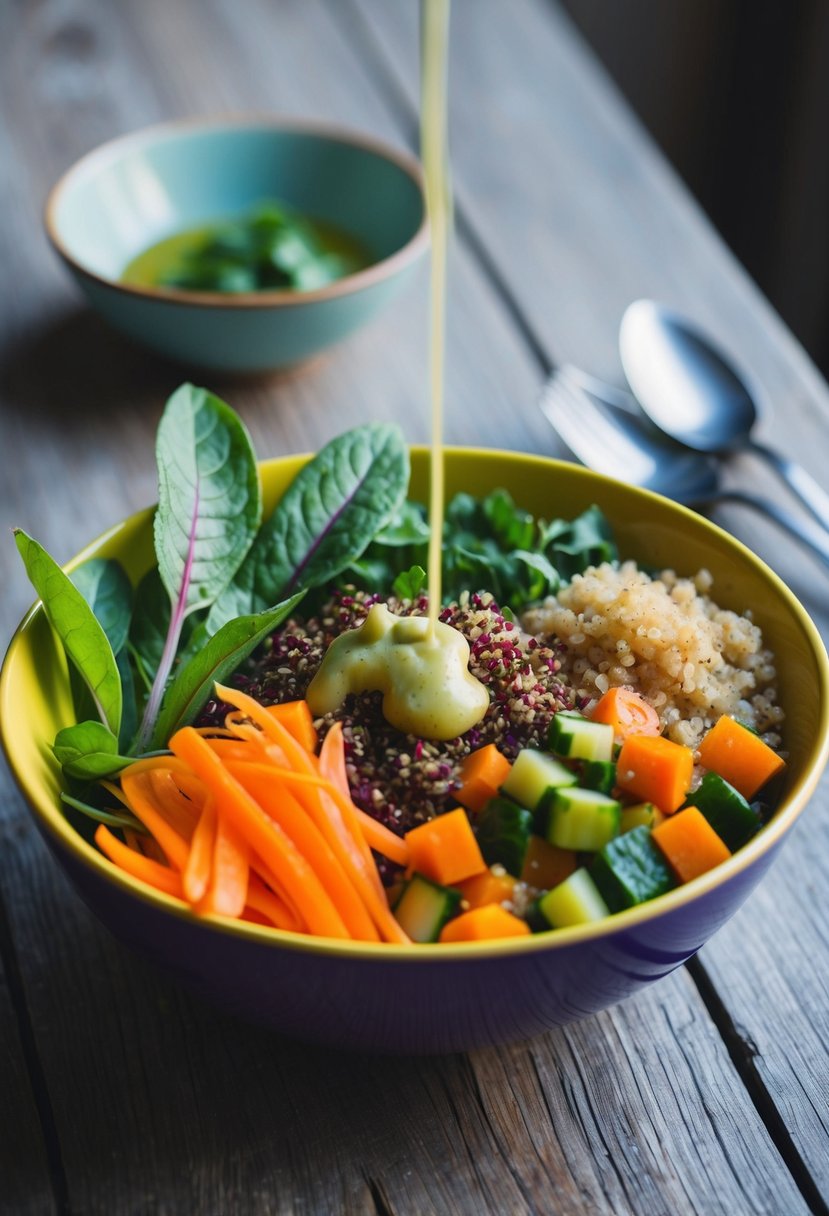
(222, 654)
(324, 521)
(573, 545)
(105, 586)
(82, 635)
(409, 583)
(209, 509)
(88, 751)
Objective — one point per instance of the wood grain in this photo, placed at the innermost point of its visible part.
(160, 1104)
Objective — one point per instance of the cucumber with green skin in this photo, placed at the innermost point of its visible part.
(423, 908)
(630, 870)
(503, 832)
(583, 820)
(578, 738)
(576, 901)
(533, 777)
(599, 775)
(730, 815)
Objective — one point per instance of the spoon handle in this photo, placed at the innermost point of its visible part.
(816, 539)
(813, 497)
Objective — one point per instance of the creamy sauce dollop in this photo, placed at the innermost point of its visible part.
(428, 689)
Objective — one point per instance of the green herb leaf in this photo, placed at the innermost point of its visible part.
(209, 509)
(105, 586)
(88, 751)
(113, 819)
(209, 497)
(409, 583)
(326, 518)
(82, 636)
(221, 655)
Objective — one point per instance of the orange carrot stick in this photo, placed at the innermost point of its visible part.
(136, 865)
(271, 906)
(181, 813)
(292, 872)
(332, 766)
(227, 890)
(139, 795)
(297, 718)
(281, 805)
(196, 873)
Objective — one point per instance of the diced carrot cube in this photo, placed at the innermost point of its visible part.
(655, 770)
(546, 865)
(689, 843)
(487, 888)
(483, 772)
(739, 756)
(484, 924)
(445, 849)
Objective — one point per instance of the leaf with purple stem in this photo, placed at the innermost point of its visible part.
(209, 510)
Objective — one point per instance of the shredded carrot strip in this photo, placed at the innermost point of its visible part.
(150, 763)
(138, 792)
(136, 864)
(289, 867)
(280, 804)
(269, 905)
(181, 813)
(196, 874)
(227, 891)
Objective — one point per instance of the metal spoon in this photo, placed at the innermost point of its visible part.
(691, 391)
(613, 440)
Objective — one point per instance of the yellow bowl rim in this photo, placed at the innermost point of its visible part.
(54, 823)
(377, 272)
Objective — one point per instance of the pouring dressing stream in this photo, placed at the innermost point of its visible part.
(420, 664)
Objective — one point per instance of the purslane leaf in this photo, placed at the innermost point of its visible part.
(221, 655)
(88, 751)
(82, 635)
(324, 521)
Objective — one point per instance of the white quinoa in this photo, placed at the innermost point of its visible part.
(665, 637)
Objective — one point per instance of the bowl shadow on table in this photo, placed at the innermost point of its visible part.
(102, 370)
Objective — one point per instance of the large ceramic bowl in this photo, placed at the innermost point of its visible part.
(439, 998)
(127, 195)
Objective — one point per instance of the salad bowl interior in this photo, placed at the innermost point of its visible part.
(441, 997)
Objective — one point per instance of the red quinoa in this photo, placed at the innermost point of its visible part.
(399, 779)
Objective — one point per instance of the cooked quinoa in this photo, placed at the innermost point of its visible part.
(399, 779)
(664, 636)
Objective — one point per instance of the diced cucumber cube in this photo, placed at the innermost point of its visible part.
(642, 815)
(599, 775)
(424, 907)
(582, 820)
(731, 816)
(576, 901)
(533, 776)
(576, 737)
(503, 832)
(630, 870)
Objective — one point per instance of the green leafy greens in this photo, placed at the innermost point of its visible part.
(221, 585)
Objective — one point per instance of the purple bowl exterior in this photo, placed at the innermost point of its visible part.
(387, 1006)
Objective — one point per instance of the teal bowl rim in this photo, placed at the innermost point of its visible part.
(56, 826)
(377, 272)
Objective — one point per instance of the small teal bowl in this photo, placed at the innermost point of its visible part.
(128, 194)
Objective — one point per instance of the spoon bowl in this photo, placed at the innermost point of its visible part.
(691, 391)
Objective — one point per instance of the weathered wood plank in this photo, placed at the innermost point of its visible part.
(25, 1180)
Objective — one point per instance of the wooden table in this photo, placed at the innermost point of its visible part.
(118, 1091)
